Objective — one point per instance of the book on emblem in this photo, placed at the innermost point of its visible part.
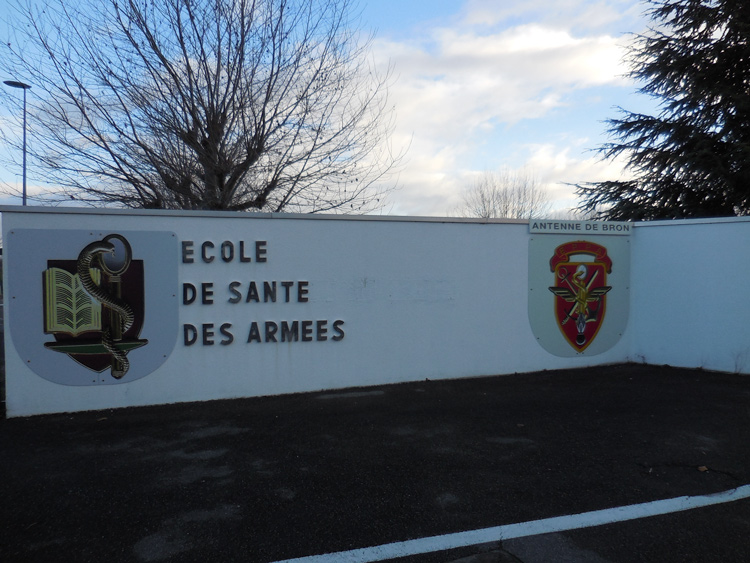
(68, 307)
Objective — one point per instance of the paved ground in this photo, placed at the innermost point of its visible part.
(263, 480)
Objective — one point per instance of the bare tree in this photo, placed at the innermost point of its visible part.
(505, 194)
(264, 105)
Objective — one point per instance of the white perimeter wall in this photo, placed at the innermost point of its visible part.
(690, 294)
(419, 298)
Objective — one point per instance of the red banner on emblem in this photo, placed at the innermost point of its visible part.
(564, 251)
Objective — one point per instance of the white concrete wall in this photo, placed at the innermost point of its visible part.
(690, 298)
(418, 299)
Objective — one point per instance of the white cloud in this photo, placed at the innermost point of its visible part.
(612, 16)
(458, 90)
(474, 79)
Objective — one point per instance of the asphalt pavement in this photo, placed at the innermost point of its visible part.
(268, 479)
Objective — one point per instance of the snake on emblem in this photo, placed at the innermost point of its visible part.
(122, 317)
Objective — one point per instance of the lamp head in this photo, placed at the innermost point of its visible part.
(16, 84)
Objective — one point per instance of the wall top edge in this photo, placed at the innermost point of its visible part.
(327, 217)
(699, 221)
(250, 216)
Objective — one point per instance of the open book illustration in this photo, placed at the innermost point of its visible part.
(68, 308)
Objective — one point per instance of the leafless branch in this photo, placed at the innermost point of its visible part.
(268, 105)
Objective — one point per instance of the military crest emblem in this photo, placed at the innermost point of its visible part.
(579, 285)
(580, 291)
(93, 306)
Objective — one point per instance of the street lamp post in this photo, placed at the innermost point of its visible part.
(24, 87)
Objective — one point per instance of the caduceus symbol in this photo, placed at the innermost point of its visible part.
(113, 256)
(580, 293)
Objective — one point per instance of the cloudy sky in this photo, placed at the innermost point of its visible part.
(482, 85)
(488, 84)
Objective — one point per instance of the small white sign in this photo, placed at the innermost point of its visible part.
(552, 227)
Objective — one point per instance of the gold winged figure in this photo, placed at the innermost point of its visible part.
(580, 293)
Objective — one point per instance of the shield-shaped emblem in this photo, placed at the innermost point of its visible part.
(580, 291)
(579, 288)
(89, 307)
(94, 305)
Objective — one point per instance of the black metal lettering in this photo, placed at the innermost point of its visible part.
(236, 295)
(228, 336)
(254, 335)
(269, 292)
(207, 293)
(187, 251)
(252, 293)
(206, 258)
(302, 291)
(322, 331)
(243, 258)
(208, 334)
(287, 285)
(271, 330)
(227, 251)
(189, 334)
(188, 293)
(261, 251)
(307, 330)
(289, 332)
(339, 331)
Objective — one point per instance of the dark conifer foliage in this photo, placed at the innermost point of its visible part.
(692, 159)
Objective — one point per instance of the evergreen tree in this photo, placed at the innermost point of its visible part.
(693, 158)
